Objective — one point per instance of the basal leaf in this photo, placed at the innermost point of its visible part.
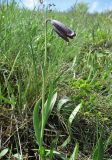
(49, 105)
(37, 121)
(99, 150)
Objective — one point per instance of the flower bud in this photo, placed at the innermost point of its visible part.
(63, 31)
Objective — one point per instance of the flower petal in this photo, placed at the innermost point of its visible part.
(61, 35)
(71, 35)
(63, 29)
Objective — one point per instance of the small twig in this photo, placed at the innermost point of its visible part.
(14, 133)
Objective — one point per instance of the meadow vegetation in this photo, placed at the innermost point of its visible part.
(80, 71)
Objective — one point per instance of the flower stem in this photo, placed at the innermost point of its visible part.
(43, 88)
(45, 56)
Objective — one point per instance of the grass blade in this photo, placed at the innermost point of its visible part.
(6, 100)
(75, 152)
(70, 120)
(61, 103)
(37, 121)
(73, 114)
(99, 150)
(109, 141)
(66, 142)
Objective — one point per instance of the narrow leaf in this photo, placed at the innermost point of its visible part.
(18, 156)
(73, 114)
(75, 152)
(67, 141)
(37, 121)
(6, 100)
(70, 120)
(3, 152)
(49, 106)
(57, 154)
(109, 141)
(99, 150)
(61, 103)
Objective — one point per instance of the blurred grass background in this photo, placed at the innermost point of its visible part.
(83, 68)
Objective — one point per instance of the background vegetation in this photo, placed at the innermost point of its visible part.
(81, 71)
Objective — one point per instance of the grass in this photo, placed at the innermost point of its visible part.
(82, 72)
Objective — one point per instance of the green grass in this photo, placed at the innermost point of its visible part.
(81, 69)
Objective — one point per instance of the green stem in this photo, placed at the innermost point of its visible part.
(43, 102)
(43, 88)
(45, 58)
(43, 85)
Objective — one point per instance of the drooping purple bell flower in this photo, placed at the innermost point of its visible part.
(63, 31)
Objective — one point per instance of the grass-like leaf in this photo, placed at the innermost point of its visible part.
(74, 156)
(37, 121)
(70, 120)
(18, 156)
(109, 141)
(3, 152)
(6, 100)
(99, 150)
(66, 142)
(49, 105)
(58, 155)
(73, 114)
(61, 103)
